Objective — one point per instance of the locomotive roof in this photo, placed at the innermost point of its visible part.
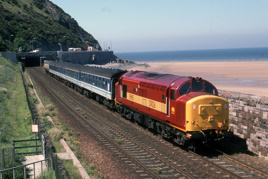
(156, 78)
(105, 72)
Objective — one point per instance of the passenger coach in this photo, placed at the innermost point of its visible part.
(94, 82)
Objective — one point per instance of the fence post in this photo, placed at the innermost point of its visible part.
(35, 144)
(13, 154)
(25, 172)
(14, 173)
(34, 169)
(3, 157)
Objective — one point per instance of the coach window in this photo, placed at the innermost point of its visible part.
(85, 77)
(124, 91)
(106, 85)
(94, 81)
(163, 97)
(172, 95)
(82, 77)
(100, 82)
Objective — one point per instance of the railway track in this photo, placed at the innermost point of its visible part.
(147, 161)
(145, 172)
(251, 168)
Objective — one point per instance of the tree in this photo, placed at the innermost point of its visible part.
(20, 42)
(3, 46)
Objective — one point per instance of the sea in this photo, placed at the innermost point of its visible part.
(213, 55)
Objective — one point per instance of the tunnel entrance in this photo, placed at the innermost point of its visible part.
(31, 61)
(36, 59)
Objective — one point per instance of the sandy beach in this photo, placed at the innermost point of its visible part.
(243, 77)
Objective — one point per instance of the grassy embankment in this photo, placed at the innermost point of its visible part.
(16, 120)
(60, 131)
(15, 117)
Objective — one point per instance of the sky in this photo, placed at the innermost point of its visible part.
(167, 25)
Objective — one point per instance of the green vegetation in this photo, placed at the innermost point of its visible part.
(15, 118)
(39, 24)
(72, 171)
(50, 174)
(19, 171)
(62, 131)
(159, 170)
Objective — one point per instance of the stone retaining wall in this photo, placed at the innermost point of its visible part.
(249, 120)
(10, 56)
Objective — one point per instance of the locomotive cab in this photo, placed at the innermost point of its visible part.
(206, 114)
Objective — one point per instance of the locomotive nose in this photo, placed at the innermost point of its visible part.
(207, 112)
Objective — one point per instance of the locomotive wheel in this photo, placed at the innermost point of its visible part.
(192, 147)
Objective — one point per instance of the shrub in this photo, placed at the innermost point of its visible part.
(19, 159)
(47, 123)
(55, 133)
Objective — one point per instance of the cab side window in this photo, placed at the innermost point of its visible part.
(124, 91)
(172, 95)
(185, 89)
(209, 88)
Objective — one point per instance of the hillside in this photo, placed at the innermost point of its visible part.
(39, 24)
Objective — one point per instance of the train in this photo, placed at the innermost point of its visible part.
(186, 110)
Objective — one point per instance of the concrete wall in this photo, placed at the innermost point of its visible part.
(249, 120)
(10, 56)
(87, 57)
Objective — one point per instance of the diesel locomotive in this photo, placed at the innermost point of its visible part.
(184, 109)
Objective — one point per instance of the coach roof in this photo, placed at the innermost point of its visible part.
(156, 78)
(105, 72)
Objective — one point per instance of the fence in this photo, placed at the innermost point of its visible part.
(51, 161)
(25, 147)
(7, 174)
(7, 156)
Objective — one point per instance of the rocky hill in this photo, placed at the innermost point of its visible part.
(39, 24)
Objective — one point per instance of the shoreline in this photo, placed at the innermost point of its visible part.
(249, 77)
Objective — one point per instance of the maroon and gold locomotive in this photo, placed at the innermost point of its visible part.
(178, 107)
